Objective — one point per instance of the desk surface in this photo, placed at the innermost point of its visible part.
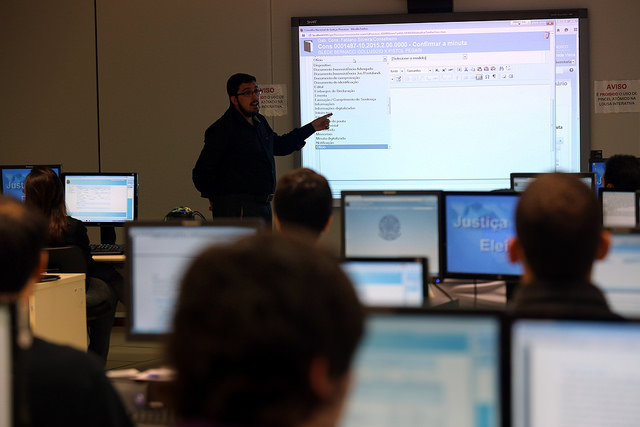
(109, 258)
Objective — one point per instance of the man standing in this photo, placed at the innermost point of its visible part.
(236, 167)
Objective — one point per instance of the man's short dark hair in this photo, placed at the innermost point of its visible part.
(622, 171)
(250, 319)
(236, 80)
(559, 225)
(303, 199)
(23, 235)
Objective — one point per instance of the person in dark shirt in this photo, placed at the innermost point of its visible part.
(622, 172)
(559, 235)
(264, 334)
(236, 167)
(303, 203)
(64, 386)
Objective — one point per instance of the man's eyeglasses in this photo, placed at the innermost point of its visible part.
(250, 93)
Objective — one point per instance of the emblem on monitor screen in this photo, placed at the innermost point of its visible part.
(389, 226)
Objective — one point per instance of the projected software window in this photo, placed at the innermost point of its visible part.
(412, 94)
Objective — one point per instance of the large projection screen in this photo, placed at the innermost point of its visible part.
(443, 101)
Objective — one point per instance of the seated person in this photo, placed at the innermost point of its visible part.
(622, 171)
(44, 191)
(65, 387)
(303, 202)
(558, 237)
(270, 345)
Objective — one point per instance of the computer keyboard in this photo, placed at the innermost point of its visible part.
(106, 249)
(150, 416)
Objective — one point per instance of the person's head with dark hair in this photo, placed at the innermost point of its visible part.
(622, 171)
(234, 82)
(264, 334)
(23, 234)
(303, 201)
(44, 191)
(244, 95)
(558, 230)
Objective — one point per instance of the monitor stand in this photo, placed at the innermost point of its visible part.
(107, 235)
(511, 286)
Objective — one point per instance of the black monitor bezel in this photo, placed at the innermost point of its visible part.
(438, 193)
(108, 174)
(255, 223)
(482, 276)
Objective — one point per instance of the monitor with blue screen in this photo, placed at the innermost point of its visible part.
(109, 199)
(390, 282)
(575, 373)
(13, 177)
(158, 254)
(597, 167)
(427, 368)
(618, 275)
(392, 224)
(478, 228)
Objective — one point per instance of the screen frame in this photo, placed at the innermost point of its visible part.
(472, 276)
(584, 81)
(438, 193)
(64, 176)
(258, 224)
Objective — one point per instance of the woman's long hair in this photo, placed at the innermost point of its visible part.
(44, 191)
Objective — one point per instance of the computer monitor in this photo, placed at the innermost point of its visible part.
(478, 228)
(427, 368)
(389, 282)
(597, 167)
(13, 177)
(102, 199)
(158, 254)
(575, 373)
(392, 224)
(619, 207)
(520, 180)
(618, 275)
